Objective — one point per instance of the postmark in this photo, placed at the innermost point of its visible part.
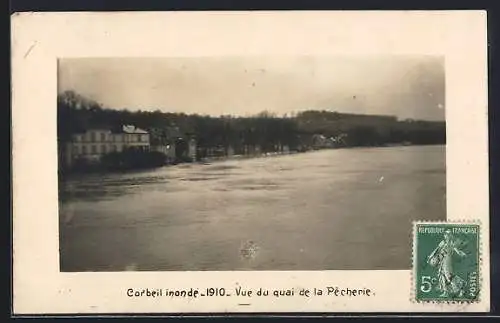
(446, 262)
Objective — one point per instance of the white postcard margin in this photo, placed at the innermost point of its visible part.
(38, 39)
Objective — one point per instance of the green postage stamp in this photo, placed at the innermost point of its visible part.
(446, 262)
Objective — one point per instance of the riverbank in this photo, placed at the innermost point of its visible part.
(292, 152)
(237, 157)
(207, 160)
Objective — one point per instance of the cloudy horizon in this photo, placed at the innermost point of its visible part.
(403, 86)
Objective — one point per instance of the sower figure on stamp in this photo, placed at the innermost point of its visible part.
(442, 258)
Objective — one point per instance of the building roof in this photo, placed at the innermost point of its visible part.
(83, 131)
(117, 130)
(133, 129)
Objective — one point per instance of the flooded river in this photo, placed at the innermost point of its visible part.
(329, 209)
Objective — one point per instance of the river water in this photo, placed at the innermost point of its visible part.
(328, 209)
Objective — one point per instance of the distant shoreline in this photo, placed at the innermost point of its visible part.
(264, 155)
(210, 160)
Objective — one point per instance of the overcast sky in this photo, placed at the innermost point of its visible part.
(407, 87)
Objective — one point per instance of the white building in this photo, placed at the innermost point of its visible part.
(94, 143)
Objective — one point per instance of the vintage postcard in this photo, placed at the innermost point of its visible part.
(227, 162)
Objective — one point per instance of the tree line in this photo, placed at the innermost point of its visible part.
(270, 132)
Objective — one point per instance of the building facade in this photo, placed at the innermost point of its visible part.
(94, 143)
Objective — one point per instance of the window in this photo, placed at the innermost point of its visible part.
(113, 148)
(84, 150)
(103, 149)
(103, 136)
(92, 136)
(75, 149)
(94, 149)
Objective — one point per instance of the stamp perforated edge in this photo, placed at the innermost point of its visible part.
(413, 284)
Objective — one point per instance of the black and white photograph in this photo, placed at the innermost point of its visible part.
(186, 163)
(235, 163)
